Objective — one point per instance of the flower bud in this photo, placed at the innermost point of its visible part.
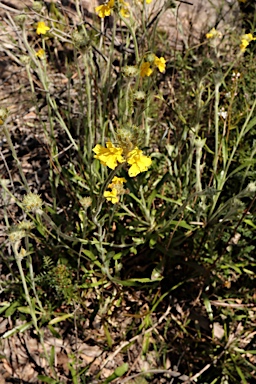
(20, 19)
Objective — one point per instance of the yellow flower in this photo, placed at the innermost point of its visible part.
(145, 69)
(117, 181)
(40, 53)
(213, 33)
(124, 12)
(105, 9)
(160, 63)
(138, 161)
(42, 28)
(245, 41)
(117, 189)
(108, 156)
(111, 196)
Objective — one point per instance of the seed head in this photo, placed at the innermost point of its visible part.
(37, 6)
(25, 59)
(15, 234)
(139, 95)
(20, 19)
(130, 71)
(86, 202)
(26, 225)
(32, 203)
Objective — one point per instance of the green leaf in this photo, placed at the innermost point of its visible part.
(18, 328)
(136, 281)
(181, 224)
(10, 311)
(224, 151)
(27, 310)
(46, 379)
(151, 198)
(208, 307)
(250, 125)
(89, 254)
(4, 306)
(52, 356)
(240, 373)
(54, 332)
(250, 222)
(117, 256)
(120, 371)
(60, 318)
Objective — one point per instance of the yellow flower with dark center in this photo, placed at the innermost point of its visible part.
(139, 162)
(160, 63)
(145, 69)
(111, 196)
(42, 28)
(109, 156)
(245, 41)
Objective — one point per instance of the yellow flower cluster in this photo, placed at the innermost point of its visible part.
(213, 34)
(245, 41)
(112, 155)
(117, 189)
(106, 9)
(42, 28)
(146, 70)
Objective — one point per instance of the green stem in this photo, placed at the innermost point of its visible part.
(223, 177)
(216, 121)
(14, 154)
(18, 259)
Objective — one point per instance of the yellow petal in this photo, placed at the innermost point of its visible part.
(145, 69)
(42, 28)
(111, 196)
(160, 63)
(103, 10)
(138, 161)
